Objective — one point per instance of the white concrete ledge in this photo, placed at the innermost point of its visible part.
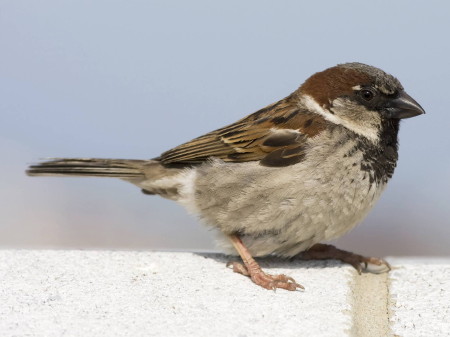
(127, 293)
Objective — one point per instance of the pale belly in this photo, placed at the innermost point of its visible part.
(286, 210)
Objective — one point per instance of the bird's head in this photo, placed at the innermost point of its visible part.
(359, 97)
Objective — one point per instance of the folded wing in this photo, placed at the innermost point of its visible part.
(275, 135)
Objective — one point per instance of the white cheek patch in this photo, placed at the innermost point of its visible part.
(367, 130)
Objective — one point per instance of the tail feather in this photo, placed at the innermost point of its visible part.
(93, 167)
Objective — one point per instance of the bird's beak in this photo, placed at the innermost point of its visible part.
(403, 106)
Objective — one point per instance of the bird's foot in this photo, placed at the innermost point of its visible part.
(267, 281)
(252, 269)
(322, 252)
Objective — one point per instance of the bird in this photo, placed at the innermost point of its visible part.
(284, 179)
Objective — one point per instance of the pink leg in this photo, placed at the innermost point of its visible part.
(252, 269)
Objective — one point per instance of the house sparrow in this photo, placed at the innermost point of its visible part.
(305, 169)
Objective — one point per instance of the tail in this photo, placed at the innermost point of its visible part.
(89, 167)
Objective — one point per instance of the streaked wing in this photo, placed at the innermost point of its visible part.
(274, 135)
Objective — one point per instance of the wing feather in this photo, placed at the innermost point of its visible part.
(275, 135)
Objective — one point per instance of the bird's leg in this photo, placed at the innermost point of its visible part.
(252, 269)
(322, 251)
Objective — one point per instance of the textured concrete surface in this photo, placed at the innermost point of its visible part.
(128, 293)
(103, 293)
(420, 297)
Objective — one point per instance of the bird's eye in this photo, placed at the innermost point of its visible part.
(367, 94)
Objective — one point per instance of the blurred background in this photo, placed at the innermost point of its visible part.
(130, 79)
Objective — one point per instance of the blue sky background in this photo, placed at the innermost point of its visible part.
(130, 79)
